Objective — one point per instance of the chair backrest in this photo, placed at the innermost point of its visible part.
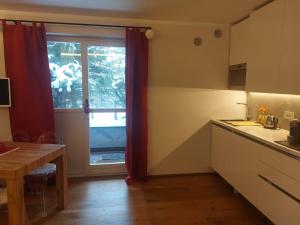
(21, 136)
(47, 138)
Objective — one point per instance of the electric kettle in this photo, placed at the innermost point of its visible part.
(271, 122)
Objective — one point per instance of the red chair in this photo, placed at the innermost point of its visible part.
(37, 182)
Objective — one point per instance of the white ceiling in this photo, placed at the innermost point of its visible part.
(215, 11)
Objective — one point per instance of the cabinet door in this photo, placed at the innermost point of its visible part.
(239, 42)
(265, 43)
(279, 207)
(290, 64)
(243, 167)
(220, 151)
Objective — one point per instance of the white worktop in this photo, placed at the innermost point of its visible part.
(263, 135)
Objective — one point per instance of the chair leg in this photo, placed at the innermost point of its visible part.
(43, 197)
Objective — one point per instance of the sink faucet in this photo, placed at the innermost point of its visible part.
(248, 114)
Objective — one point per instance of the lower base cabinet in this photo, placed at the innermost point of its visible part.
(237, 159)
(277, 205)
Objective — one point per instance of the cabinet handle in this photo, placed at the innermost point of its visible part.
(278, 188)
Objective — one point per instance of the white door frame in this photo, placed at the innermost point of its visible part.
(105, 168)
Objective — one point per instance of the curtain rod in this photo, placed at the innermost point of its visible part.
(77, 24)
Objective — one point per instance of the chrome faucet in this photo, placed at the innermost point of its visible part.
(248, 114)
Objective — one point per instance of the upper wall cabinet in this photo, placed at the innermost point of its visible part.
(289, 79)
(274, 48)
(265, 46)
(239, 42)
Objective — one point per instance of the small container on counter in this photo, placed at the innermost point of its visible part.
(294, 137)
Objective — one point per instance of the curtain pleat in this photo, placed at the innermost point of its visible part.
(26, 62)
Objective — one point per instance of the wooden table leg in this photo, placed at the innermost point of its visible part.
(61, 182)
(15, 202)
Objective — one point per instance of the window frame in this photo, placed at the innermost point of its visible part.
(84, 43)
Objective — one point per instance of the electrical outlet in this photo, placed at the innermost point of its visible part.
(288, 115)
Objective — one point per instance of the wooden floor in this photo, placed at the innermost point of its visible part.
(180, 200)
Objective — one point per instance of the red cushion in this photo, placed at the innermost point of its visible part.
(4, 149)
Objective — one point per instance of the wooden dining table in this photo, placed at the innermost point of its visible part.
(17, 163)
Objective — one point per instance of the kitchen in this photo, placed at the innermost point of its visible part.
(245, 70)
(261, 162)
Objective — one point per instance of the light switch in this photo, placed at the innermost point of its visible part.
(288, 115)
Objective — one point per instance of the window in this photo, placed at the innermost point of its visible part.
(104, 74)
(66, 74)
(106, 68)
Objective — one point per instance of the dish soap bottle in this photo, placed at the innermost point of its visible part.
(262, 112)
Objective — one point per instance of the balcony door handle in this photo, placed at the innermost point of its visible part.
(86, 107)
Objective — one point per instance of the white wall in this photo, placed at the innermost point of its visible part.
(185, 90)
(182, 98)
(179, 140)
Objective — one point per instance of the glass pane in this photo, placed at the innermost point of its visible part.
(107, 138)
(66, 74)
(106, 67)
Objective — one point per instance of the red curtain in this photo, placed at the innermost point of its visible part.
(27, 65)
(136, 104)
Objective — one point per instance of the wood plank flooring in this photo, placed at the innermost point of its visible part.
(179, 200)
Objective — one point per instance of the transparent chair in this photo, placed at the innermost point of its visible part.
(21, 136)
(37, 182)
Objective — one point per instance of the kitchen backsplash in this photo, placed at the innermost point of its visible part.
(277, 104)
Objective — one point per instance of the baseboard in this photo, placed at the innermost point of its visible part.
(182, 174)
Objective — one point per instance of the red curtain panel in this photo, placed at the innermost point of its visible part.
(27, 65)
(136, 104)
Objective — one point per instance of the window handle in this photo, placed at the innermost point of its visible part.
(86, 107)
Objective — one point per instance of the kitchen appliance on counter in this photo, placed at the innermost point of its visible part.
(271, 122)
(293, 139)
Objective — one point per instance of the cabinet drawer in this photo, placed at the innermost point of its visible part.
(283, 163)
(276, 205)
(282, 181)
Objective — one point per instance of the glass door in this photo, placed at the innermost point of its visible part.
(106, 106)
(88, 88)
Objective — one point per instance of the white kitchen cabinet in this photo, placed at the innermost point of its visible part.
(289, 79)
(274, 48)
(277, 205)
(243, 167)
(265, 47)
(239, 42)
(220, 150)
(269, 179)
(234, 158)
(279, 186)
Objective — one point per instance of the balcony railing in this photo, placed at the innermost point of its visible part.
(107, 144)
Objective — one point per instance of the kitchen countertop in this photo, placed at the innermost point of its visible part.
(263, 135)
